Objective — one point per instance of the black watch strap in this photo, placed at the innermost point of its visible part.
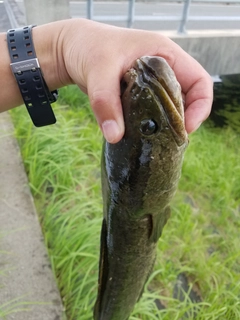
(26, 69)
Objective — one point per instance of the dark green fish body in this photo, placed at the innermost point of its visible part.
(139, 178)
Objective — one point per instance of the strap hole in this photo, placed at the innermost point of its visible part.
(24, 90)
(41, 95)
(27, 98)
(13, 48)
(36, 78)
(11, 34)
(28, 45)
(22, 81)
(15, 56)
(44, 102)
(29, 53)
(26, 37)
(39, 87)
(30, 105)
(12, 40)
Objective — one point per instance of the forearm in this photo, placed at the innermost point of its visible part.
(47, 45)
(9, 93)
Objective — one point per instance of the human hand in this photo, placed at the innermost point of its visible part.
(96, 57)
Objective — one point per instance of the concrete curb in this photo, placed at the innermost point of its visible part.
(216, 50)
(27, 285)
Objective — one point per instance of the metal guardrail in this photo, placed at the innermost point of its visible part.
(183, 19)
(11, 16)
(131, 17)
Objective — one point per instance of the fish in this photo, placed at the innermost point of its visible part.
(140, 175)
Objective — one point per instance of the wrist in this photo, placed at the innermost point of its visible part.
(48, 43)
(76, 47)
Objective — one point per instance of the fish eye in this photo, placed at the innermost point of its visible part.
(148, 127)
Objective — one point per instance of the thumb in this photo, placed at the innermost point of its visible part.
(103, 86)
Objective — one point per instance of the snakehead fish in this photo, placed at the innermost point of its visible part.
(139, 178)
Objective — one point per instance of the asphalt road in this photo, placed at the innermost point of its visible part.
(4, 21)
(156, 10)
(163, 10)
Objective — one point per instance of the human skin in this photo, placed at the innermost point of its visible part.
(95, 56)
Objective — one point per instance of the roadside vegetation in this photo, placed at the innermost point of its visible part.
(197, 272)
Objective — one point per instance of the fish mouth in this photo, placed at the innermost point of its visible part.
(155, 72)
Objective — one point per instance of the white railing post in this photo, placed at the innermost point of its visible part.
(131, 13)
(90, 9)
(182, 26)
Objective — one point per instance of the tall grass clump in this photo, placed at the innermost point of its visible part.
(200, 241)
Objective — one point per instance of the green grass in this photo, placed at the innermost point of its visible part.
(201, 239)
(15, 306)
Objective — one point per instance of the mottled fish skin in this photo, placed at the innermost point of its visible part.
(139, 178)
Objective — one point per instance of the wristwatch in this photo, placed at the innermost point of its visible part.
(26, 69)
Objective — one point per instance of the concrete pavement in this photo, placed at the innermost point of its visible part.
(27, 285)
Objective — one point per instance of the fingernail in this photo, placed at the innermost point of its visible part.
(110, 130)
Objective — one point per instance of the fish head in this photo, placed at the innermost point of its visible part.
(151, 151)
(152, 103)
